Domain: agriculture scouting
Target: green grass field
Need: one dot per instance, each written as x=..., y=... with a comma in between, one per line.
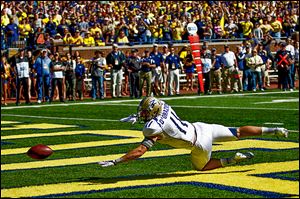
x=82, y=134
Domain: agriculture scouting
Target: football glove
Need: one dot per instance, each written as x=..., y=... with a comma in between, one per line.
x=107, y=163
x=131, y=118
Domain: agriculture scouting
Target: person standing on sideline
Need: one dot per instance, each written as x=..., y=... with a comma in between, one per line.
x=291, y=49
x=255, y=64
x=5, y=75
x=57, y=70
x=80, y=75
x=229, y=63
x=216, y=71
x=22, y=72
x=97, y=71
x=42, y=67
x=164, y=69
x=115, y=61
x=247, y=74
x=240, y=56
x=147, y=64
x=157, y=76
x=207, y=65
x=162, y=125
x=134, y=66
x=284, y=59
x=70, y=65
x=173, y=64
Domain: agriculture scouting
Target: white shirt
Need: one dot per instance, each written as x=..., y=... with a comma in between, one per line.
x=23, y=69
x=58, y=74
x=206, y=62
x=228, y=59
x=255, y=63
x=291, y=49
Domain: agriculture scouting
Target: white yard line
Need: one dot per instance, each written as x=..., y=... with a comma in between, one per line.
x=138, y=100
x=279, y=101
x=60, y=118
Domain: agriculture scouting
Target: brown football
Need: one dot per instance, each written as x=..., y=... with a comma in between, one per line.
x=39, y=152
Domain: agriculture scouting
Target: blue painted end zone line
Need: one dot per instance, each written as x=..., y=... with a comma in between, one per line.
x=265, y=194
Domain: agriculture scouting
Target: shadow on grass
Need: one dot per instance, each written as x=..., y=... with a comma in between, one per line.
x=103, y=180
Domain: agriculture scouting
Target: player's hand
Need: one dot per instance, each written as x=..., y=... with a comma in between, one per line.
x=131, y=118
x=107, y=163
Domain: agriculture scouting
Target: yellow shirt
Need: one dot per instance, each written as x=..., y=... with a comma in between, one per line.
x=247, y=27
x=122, y=40
x=266, y=28
x=4, y=20
x=24, y=29
x=276, y=25
x=89, y=41
x=78, y=40
x=94, y=30
x=100, y=42
x=155, y=31
x=68, y=40
x=177, y=32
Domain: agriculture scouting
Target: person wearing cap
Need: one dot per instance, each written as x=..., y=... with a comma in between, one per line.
x=157, y=76
x=42, y=67
x=147, y=64
x=22, y=75
x=229, y=65
x=173, y=64
x=133, y=64
x=284, y=60
x=116, y=60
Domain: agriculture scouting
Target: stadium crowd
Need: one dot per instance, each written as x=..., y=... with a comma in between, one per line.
x=51, y=75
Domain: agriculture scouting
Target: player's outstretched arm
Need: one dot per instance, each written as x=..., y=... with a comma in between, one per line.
x=132, y=155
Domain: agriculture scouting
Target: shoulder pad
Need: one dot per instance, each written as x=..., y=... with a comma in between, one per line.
x=152, y=128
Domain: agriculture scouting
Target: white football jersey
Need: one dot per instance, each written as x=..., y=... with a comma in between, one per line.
x=171, y=129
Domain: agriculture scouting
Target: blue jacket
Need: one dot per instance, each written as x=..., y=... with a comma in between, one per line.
x=173, y=60
x=42, y=66
x=79, y=70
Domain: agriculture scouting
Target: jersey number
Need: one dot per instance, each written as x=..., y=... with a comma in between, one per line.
x=178, y=123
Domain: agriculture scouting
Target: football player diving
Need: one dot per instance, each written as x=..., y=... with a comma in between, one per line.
x=164, y=126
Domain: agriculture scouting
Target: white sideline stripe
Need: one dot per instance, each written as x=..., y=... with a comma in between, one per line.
x=60, y=118
x=279, y=101
x=216, y=107
x=274, y=123
x=138, y=100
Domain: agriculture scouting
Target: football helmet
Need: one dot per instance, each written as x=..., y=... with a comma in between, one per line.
x=149, y=108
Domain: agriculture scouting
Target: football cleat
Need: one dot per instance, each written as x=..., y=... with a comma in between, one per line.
x=281, y=132
x=239, y=157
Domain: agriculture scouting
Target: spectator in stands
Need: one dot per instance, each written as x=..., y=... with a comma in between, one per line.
x=147, y=64
x=247, y=26
x=122, y=38
x=173, y=64
x=97, y=73
x=88, y=40
x=70, y=79
x=50, y=27
x=57, y=69
x=133, y=64
x=5, y=75
x=22, y=71
x=216, y=70
x=24, y=28
x=99, y=40
x=62, y=27
x=42, y=68
x=80, y=75
x=12, y=33
x=296, y=43
x=115, y=61
x=77, y=39
x=277, y=27
x=257, y=32
x=167, y=31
